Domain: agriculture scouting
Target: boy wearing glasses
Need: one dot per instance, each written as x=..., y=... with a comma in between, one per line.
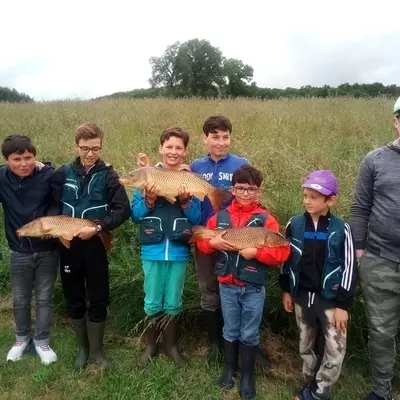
x=242, y=300
x=88, y=188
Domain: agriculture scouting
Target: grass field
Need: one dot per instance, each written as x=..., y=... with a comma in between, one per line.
x=285, y=139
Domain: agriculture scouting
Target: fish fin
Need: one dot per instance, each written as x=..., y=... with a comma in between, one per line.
x=107, y=238
x=200, y=232
x=199, y=195
x=65, y=242
x=67, y=236
x=217, y=197
x=171, y=199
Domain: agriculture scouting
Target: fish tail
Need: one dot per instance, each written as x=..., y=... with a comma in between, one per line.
x=107, y=238
x=200, y=232
x=218, y=197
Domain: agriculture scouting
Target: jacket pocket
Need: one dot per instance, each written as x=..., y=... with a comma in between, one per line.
x=222, y=263
x=151, y=230
x=331, y=282
x=181, y=230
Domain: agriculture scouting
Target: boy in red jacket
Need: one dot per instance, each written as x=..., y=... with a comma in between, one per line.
x=242, y=300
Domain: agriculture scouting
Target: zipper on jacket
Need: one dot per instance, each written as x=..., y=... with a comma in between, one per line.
x=166, y=249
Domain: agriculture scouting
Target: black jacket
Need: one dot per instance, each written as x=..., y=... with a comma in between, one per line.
x=23, y=200
x=117, y=198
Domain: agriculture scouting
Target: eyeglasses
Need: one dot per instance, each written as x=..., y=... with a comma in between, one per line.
x=241, y=190
x=85, y=149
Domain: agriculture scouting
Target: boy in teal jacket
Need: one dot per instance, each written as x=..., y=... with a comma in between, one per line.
x=165, y=253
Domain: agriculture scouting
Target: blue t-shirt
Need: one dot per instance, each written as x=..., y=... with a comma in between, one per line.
x=219, y=174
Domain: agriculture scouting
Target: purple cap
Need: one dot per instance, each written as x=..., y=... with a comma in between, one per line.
x=322, y=181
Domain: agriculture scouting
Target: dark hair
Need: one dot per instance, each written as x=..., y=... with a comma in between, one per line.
x=247, y=174
x=17, y=144
x=177, y=132
x=88, y=131
x=217, y=122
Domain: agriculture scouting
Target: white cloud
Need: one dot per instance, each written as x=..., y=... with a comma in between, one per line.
x=90, y=48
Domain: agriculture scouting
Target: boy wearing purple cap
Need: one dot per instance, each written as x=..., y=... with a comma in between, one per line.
x=318, y=281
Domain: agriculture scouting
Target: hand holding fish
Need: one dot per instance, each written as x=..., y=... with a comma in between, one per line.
x=143, y=160
x=184, y=167
x=219, y=243
x=183, y=194
x=151, y=193
x=86, y=233
x=249, y=253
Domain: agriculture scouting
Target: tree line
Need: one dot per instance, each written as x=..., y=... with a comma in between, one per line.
x=197, y=69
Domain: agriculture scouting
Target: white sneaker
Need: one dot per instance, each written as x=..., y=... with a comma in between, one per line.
x=17, y=350
x=46, y=354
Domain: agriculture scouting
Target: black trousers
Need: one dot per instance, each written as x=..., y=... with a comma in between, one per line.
x=84, y=271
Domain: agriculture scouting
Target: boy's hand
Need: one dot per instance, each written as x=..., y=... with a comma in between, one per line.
x=249, y=253
x=359, y=253
x=287, y=302
x=86, y=233
x=143, y=160
x=39, y=165
x=185, y=167
x=183, y=194
x=219, y=243
x=151, y=193
x=339, y=320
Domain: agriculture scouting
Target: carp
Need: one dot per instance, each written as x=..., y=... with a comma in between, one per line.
x=168, y=181
x=62, y=227
x=242, y=238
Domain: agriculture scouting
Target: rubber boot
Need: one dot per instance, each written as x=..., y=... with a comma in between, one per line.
x=151, y=349
x=231, y=365
x=214, y=322
x=170, y=342
x=96, y=337
x=82, y=340
x=247, y=388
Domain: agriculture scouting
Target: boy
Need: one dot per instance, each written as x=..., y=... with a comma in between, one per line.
x=320, y=279
x=242, y=292
x=217, y=168
x=88, y=188
x=25, y=193
x=165, y=252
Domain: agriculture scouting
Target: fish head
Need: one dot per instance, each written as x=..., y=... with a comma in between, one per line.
x=274, y=239
x=135, y=178
x=33, y=229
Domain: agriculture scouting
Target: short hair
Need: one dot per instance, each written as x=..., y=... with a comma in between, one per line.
x=217, y=122
x=175, y=131
x=18, y=144
x=88, y=131
x=247, y=174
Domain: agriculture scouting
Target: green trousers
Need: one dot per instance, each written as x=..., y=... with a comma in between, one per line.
x=163, y=286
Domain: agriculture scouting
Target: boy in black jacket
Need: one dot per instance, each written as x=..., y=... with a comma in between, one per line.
x=88, y=188
x=25, y=193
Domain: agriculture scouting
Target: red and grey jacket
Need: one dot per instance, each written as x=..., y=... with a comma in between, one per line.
x=240, y=215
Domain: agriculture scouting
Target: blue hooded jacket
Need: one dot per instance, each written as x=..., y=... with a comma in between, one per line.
x=219, y=174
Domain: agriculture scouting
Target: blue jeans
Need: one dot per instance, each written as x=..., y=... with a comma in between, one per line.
x=242, y=309
x=28, y=271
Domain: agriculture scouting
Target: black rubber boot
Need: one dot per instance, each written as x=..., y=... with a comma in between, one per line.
x=152, y=333
x=263, y=360
x=214, y=322
x=231, y=365
x=96, y=337
x=81, y=335
x=170, y=342
x=247, y=388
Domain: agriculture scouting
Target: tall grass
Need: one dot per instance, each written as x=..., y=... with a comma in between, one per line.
x=284, y=138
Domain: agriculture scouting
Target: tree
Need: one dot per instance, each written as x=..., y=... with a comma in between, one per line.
x=238, y=77
x=199, y=67
x=164, y=69
x=12, y=96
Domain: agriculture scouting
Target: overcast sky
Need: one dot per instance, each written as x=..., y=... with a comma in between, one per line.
x=80, y=48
